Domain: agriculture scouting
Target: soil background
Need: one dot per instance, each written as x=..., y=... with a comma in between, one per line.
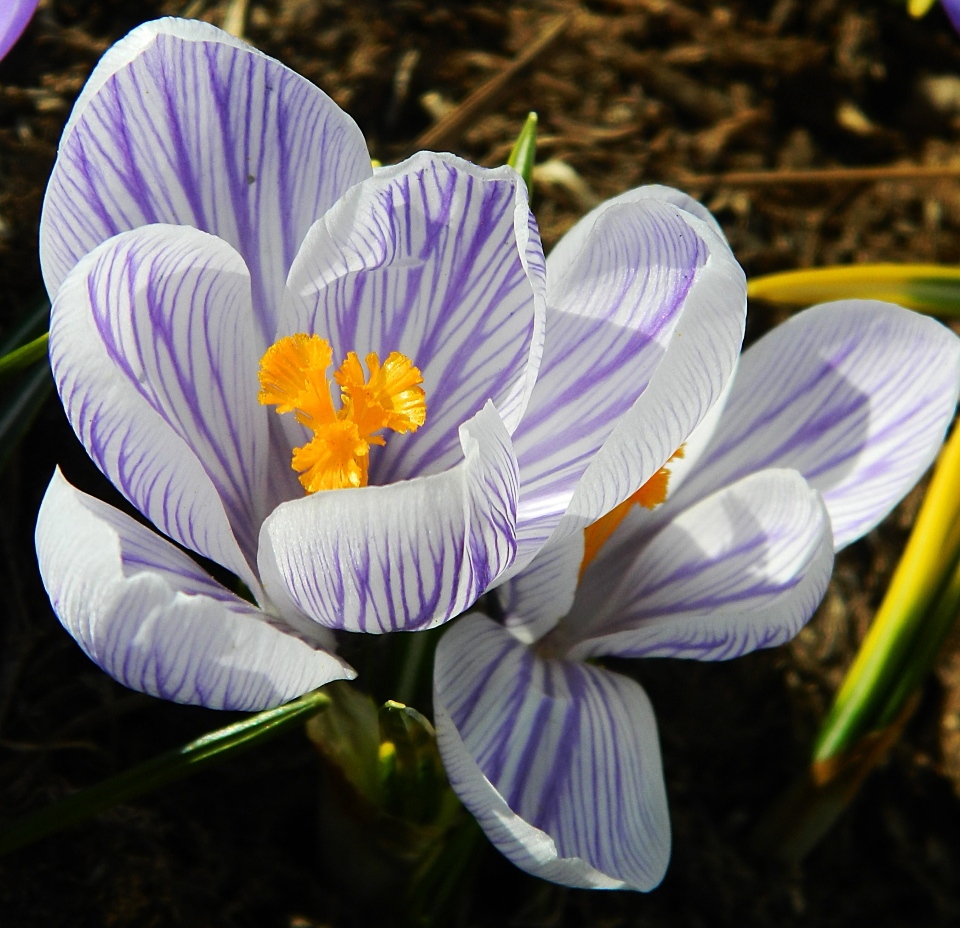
x=635, y=91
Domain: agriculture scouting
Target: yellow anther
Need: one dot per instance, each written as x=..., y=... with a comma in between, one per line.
x=649, y=496
x=293, y=378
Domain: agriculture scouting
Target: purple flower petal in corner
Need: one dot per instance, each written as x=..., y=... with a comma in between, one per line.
x=952, y=9
x=14, y=16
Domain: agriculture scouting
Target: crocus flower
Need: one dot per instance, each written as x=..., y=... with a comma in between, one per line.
x=831, y=418
x=332, y=382
x=14, y=16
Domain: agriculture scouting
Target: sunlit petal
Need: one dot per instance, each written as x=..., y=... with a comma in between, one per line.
x=406, y=556
x=153, y=620
x=559, y=761
x=181, y=123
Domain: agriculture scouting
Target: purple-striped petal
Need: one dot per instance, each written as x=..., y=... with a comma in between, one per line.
x=440, y=260
x=558, y=761
x=952, y=9
x=181, y=123
x=643, y=329
x=740, y=570
x=542, y=593
x=856, y=395
x=402, y=557
x=567, y=249
x=14, y=16
x=147, y=615
x=154, y=353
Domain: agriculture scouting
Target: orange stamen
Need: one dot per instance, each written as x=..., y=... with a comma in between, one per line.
x=649, y=496
x=293, y=378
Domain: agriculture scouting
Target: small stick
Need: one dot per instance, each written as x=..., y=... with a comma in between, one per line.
x=823, y=176
x=446, y=130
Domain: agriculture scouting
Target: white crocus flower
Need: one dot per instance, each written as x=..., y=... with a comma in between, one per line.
x=830, y=420
x=215, y=243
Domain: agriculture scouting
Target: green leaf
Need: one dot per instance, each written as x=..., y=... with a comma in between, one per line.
x=167, y=768
x=916, y=614
x=928, y=288
x=29, y=327
x=24, y=356
x=348, y=736
x=525, y=151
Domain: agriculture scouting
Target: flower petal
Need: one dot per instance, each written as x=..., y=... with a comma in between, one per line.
x=14, y=16
x=643, y=330
x=154, y=354
x=401, y=557
x=567, y=249
x=181, y=123
x=440, y=260
x=543, y=592
x=146, y=614
x=856, y=395
x=558, y=761
x=743, y=569
x=952, y=9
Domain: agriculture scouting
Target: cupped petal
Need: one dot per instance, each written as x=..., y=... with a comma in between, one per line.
x=573, y=241
x=643, y=331
x=558, y=761
x=402, y=557
x=440, y=260
x=154, y=353
x=536, y=598
x=14, y=16
x=856, y=395
x=742, y=569
x=184, y=124
x=152, y=619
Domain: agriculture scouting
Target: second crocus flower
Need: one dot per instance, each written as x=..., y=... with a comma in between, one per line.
x=831, y=419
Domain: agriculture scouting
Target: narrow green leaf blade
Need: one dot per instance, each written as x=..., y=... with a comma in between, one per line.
x=897, y=648
x=29, y=327
x=167, y=768
x=24, y=356
x=524, y=151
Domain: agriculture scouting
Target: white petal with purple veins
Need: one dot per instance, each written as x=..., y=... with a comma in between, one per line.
x=856, y=395
x=534, y=599
x=440, y=260
x=402, y=557
x=643, y=331
x=566, y=250
x=743, y=569
x=154, y=354
x=146, y=614
x=558, y=761
x=184, y=124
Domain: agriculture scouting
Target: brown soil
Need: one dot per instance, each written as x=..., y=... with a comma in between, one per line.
x=635, y=91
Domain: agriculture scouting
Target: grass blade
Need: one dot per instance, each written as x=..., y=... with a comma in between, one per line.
x=167, y=768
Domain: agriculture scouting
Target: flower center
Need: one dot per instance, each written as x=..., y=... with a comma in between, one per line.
x=293, y=378
x=650, y=495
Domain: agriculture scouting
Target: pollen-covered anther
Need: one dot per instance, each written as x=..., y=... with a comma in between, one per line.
x=649, y=496
x=293, y=378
